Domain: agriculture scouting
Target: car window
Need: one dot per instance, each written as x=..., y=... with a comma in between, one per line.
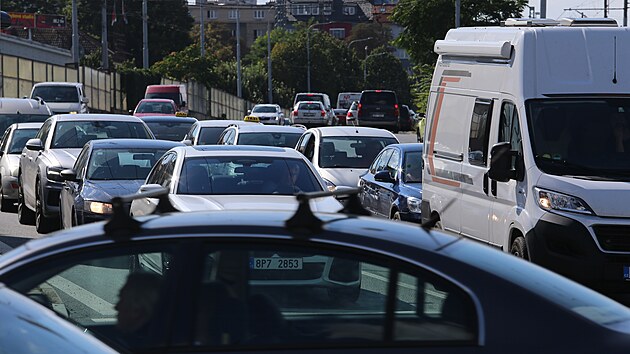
x=393, y=163
x=209, y=135
x=269, y=139
x=174, y=131
x=56, y=93
x=264, y=109
x=310, y=106
x=80, y=163
x=43, y=132
x=163, y=170
x=113, y=292
x=271, y=295
x=412, y=167
x=19, y=139
x=380, y=162
x=379, y=98
x=351, y=151
x=122, y=164
x=74, y=134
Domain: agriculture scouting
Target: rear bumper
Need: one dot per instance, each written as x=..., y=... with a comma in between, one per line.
x=9, y=187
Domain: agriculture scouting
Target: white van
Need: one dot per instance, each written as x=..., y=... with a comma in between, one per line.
x=345, y=99
x=527, y=144
x=61, y=97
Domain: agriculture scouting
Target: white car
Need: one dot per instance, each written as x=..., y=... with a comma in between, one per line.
x=219, y=177
x=62, y=97
x=268, y=113
x=258, y=134
x=341, y=154
x=207, y=132
x=310, y=114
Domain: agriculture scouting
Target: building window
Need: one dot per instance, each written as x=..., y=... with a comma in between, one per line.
x=327, y=9
x=212, y=14
x=349, y=10
x=233, y=14
x=259, y=14
x=302, y=9
x=259, y=33
x=315, y=10
x=338, y=32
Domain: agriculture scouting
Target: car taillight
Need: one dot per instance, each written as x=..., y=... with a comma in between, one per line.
x=323, y=113
x=396, y=111
x=349, y=114
x=295, y=113
x=359, y=110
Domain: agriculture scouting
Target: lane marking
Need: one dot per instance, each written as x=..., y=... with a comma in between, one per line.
x=83, y=296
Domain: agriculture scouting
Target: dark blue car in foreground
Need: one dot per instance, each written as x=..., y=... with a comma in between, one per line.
x=105, y=169
x=392, y=186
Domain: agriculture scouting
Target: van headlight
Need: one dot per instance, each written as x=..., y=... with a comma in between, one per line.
x=98, y=207
x=413, y=204
x=548, y=200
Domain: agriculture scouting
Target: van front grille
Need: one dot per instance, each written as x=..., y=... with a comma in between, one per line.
x=613, y=237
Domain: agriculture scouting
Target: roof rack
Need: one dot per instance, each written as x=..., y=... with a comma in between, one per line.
x=589, y=22
x=529, y=22
x=305, y=222
x=122, y=225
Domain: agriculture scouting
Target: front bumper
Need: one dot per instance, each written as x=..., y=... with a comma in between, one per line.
x=594, y=258
x=411, y=217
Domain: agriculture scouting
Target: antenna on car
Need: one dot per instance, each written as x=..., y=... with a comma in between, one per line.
x=122, y=225
x=305, y=222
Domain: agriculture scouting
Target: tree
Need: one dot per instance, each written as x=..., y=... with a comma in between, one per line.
x=425, y=21
x=381, y=36
x=169, y=25
x=48, y=7
x=187, y=65
x=385, y=71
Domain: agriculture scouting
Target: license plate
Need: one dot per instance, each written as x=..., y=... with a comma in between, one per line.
x=309, y=115
x=275, y=263
x=378, y=115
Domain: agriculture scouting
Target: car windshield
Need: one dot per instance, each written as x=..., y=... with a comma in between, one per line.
x=56, y=93
x=174, y=131
x=156, y=107
x=264, y=109
x=412, y=167
x=19, y=139
x=209, y=135
x=269, y=139
x=7, y=119
x=587, y=138
x=167, y=95
x=310, y=106
x=246, y=175
x=122, y=164
x=74, y=134
x=351, y=151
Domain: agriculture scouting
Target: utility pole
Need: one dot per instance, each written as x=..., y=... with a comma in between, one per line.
x=75, y=33
x=269, y=82
x=202, y=29
x=239, y=92
x=458, y=5
x=145, y=36
x=104, y=56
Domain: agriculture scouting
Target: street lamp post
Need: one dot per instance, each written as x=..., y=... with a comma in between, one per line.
x=365, y=63
x=359, y=40
x=269, y=82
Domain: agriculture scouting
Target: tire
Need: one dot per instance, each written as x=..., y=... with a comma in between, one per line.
x=25, y=215
x=43, y=224
x=396, y=216
x=6, y=205
x=519, y=248
x=438, y=225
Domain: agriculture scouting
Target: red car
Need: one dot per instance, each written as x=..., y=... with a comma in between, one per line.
x=155, y=107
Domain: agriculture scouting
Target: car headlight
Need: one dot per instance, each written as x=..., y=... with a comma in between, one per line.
x=331, y=186
x=54, y=173
x=98, y=207
x=548, y=200
x=413, y=204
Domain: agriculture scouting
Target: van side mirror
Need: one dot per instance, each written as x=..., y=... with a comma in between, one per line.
x=501, y=162
x=34, y=145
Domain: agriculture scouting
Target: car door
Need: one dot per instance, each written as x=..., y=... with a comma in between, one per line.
x=369, y=186
x=119, y=292
x=387, y=192
x=272, y=293
x=71, y=198
x=29, y=161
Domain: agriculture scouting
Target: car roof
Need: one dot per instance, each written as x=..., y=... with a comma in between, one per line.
x=58, y=83
x=157, y=100
x=220, y=123
x=408, y=146
x=267, y=105
x=23, y=105
x=239, y=150
x=350, y=131
x=96, y=117
x=30, y=125
x=133, y=143
x=169, y=119
x=244, y=128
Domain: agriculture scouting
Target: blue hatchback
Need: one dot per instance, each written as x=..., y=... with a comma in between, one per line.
x=392, y=186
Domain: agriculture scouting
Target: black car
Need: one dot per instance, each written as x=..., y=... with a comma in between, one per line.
x=379, y=109
x=193, y=282
x=406, y=118
x=392, y=186
x=105, y=169
x=169, y=127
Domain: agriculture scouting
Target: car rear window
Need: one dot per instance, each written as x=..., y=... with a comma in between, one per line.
x=210, y=135
x=74, y=134
x=379, y=98
x=311, y=106
x=174, y=131
x=311, y=97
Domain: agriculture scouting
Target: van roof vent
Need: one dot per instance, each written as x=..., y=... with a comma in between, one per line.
x=529, y=22
x=589, y=22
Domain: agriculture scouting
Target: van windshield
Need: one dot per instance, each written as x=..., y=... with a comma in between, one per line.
x=309, y=97
x=56, y=93
x=582, y=137
x=168, y=95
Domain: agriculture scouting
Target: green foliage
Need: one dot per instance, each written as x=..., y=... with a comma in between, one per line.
x=188, y=64
x=384, y=71
x=425, y=21
x=421, y=86
x=53, y=7
x=381, y=36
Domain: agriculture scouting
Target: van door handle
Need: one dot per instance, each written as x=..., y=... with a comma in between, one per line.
x=485, y=183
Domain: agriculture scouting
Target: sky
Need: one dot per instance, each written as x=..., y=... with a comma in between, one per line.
x=556, y=8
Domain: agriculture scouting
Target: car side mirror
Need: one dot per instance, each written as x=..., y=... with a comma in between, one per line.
x=384, y=176
x=68, y=175
x=34, y=145
x=501, y=162
x=150, y=187
x=187, y=142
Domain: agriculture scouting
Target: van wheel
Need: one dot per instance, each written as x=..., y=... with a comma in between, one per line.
x=519, y=248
